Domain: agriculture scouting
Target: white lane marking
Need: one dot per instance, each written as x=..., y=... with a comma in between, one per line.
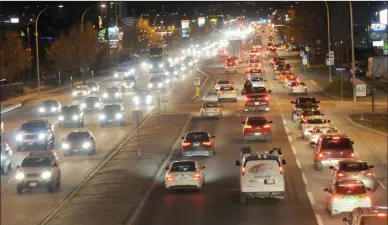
x=289, y=138
x=298, y=164
x=286, y=129
x=284, y=122
x=311, y=198
x=304, y=178
x=293, y=149
x=319, y=219
x=282, y=115
x=381, y=184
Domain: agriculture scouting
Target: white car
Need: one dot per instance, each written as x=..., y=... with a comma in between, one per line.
x=261, y=175
x=312, y=121
x=297, y=88
x=257, y=81
x=345, y=195
x=289, y=80
x=211, y=109
x=317, y=131
x=82, y=91
x=226, y=93
x=185, y=174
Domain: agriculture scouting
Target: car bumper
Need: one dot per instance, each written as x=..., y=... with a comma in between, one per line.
x=227, y=97
x=211, y=114
x=330, y=162
x=77, y=150
x=34, y=183
x=183, y=184
x=111, y=120
x=298, y=91
x=258, y=136
x=197, y=152
x=231, y=69
x=62, y=122
x=263, y=194
x=257, y=107
x=342, y=207
x=31, y=143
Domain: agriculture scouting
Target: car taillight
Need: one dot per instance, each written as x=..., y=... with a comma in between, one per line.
x=366, y=197
x=352, y=155
x=266, y=126
x=368, y=174
x=207, y=143
x=266, y=98
x=320, y=155
x=337, y=197
x=381, y=214
x=341, y=174
x=247, y=127
x=246, y=98
x=196, y=176
x=169, y=177
x=243, y=171
x=185, y=144
x=281, y=170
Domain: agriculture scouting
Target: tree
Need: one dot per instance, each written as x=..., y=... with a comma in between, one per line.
x=14, y=59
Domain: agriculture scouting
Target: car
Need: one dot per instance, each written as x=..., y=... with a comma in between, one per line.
x=330, y=149
x=185, y=174
x=197, y=143
x=256, y=102
x=35, y=133
x=157, y=83
x=308, y=110
x=156, y=65
x=39, y=169
x=81, y=92
x=375, y=215
x=254, y=52
x=72, y=114
x=49, y=108
x=112, y=94
x=230, y=66
x=130, y=82
x=173, y=73
x=94, y=87
x=6, y=158
x=248, y=90
x=273, y=60
x=211, y=109
x=227, y=93
x=123, y=72
x=254, y=70
x=257, y=128
x=254, y=63
x=257, y=81
x=276, y=65
x=222, y=83
x=143, y=97
x=261, y=174
x=301, y=103
x=289, y=80
x=189, y=62
x=345, y=195
x=92, y=103
x=297, y=88
x=80, y=141
x=112, y=113
x=317, y=131
x=354, y=169
x=312, y=121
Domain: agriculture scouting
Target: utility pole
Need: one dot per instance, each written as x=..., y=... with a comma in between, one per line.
x=328, y=37
x=353, y=56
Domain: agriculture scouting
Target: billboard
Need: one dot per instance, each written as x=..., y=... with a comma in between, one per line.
x=377, y=27
x=113, y=36
x=201, y=21
x=185, y=28
x=378, y=43
x=384, y=16
x=14, y=20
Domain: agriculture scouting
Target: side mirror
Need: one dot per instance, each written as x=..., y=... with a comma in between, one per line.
x=166, y=168
x=182, y=138
x=284, y=162
x=18, y=167
x=329, y=121
x=331, y=167
x=213, y=136
x=269, y=91
x=344, y=219
x=326, y=189
x=292, y=102
x=270, y=121
x=55, y=164
x=371, y=166
x=243, y=122
x=238, y=163
x=203, y=167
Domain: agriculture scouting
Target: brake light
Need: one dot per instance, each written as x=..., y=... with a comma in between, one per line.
x=320, y=155
x=196, y=176
x=266, y=98
x=247, y=127
x=281, y=170
x=185, y=144
x=266, y=126
x=352, y=155
x=207, y=143
x=335, y=138
x=246, y=98
x=341, y=174
x=243, y=171
x=381, y=214
x=169, y=177
x=368, y=174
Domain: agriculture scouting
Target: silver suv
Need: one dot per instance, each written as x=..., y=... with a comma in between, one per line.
x=35, y=133
x=6, y=158
x=39, y=169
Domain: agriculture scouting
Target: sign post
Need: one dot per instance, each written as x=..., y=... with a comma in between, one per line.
x=340, y=69
x=164, y=103
x=197, y=83
x=137, y=116
x=305, y=62
x=361, y=92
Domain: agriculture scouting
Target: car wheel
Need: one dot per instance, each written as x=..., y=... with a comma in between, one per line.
x=19, y=189
x=243, y=199
x=318, y=167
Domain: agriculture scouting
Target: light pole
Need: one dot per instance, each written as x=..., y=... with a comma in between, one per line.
x=328, y=37
x=37, y=45
x=118, y=43
x=352, y=46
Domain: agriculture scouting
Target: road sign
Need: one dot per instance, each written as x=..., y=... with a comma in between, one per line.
x=305, y=61
x=164, y=101
x=301, y=53
x=340, y=69
x=330, y=61
x=197, y=91
x=360, y=90
x=331, y=54
x=197, y=81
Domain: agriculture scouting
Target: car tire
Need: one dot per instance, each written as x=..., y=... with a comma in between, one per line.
x=19, y=189
x=243, y=199
x=318, y=167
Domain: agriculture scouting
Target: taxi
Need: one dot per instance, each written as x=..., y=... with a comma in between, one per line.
x=354, y=169
x=345, y=195
x=375, y=215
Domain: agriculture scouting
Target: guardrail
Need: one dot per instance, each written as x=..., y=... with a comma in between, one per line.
x=10, y=108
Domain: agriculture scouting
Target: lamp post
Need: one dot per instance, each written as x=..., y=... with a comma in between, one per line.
x=118, y=43
x=352, y=46
x=328, y=37
x=37, y=45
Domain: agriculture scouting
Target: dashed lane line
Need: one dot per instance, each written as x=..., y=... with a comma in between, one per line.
x=311, y=198
x=304, y=178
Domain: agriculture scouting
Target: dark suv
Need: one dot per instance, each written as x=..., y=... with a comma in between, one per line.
x=300, y=104
x=72, y=114
x=35, y=133
x=112, y=113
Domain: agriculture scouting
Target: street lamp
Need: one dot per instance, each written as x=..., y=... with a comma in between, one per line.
x=352, y=46
x=37, y=44
x=328, y=37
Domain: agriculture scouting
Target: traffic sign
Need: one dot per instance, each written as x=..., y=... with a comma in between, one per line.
x=330, y=61
x=340, y=69
x=331, y=54
x=197, y=81
x=305, y=61
x=360, y=90
x=197, y=91
x=164, y=101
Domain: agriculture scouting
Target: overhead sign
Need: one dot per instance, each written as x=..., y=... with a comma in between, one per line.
x=378, y=27
x=164, y=101
x=197, y=81
x=14, y=20
x=201, y=21
x=378, y=43
x=384, y=16
x=360, y=90
x=340, y=69
x=185, y=28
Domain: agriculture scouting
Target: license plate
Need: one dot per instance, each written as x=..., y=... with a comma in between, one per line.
x=257, y=103
x=32, y=184
x=182, y=177
x=110, y=120
x=258, y=133
x=269, y=181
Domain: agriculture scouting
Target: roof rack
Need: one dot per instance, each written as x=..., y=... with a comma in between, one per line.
x=247, y=151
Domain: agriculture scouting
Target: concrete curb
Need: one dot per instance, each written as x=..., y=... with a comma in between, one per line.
x=364, y=127
x=10, y=108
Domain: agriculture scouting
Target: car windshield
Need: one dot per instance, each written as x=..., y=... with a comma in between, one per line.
x=316, y=121
x=257, y=79
x=351, y=190
x=340, y=143
x=77, y=136
x=143, y=92
x=113, y=89
x=111, y=108
x=223, y=82
x=37, y=162
x=353, y=166
x=197, y=136
x=257, y=121
x=31, y=127
x=155, y=79
x=49, y=103
x=71, y=109
x=311, y=113
x=373, y=220
x=183, y=167
x=210, y=105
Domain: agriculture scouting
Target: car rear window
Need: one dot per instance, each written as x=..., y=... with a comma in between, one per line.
x=373, y=220
x=351, y=190
x=306, y=101
x=226, y=88
x=316, y=121
x=257, y=79
x=197, y=136
x=223, y=82
x=353, y=166
x=341, y=143
x=210, y=105
x=257, y=121
x=183, y=167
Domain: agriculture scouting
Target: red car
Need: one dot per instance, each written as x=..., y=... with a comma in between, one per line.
x=257, y=128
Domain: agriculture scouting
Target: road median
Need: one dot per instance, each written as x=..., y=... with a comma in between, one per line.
x=374, y=122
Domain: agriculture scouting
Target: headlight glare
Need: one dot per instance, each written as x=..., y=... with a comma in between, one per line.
x=41, y=109
x=119, y=115
x=86, y=145
x=102, y=117
x=75, y=117
x=65, y=146
x=19, y=137
x=41, y=136
x=46, y=175
x=19, y=176
x=60, y=118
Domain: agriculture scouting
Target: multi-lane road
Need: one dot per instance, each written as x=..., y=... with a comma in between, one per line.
x=115, y=194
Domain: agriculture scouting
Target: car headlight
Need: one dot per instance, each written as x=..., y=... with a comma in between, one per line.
x=161, y=65
x=166, y=73
x=83, y=105
x=160, y=84
x=94, y=89
x=183, y=68
x=41, y=109
x=167, y=81
x=116, y=75
x=19, y=137
x=175, y=72
x=60, y=118
x=65, y=146
x=150, y=66
x=2, y=157
x=74, y=93
x=97, y=105
x=46, y=175
x=19, y=176
x=41, y=136
x=75, y=117
x=135, y=98
x=148, y=98
x=150, y=85
x=86, y=145
x=105, y=95
x=102, y=116
x=53, y=109
x=131, y=84
x=119, y=115
x=143, y=64
x=117, y=94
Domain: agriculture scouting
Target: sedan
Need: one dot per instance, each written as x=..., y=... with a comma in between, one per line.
x=185, y=174
x=79, y=142
x=49, y=107
x=211, y=109
x=196, y=143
